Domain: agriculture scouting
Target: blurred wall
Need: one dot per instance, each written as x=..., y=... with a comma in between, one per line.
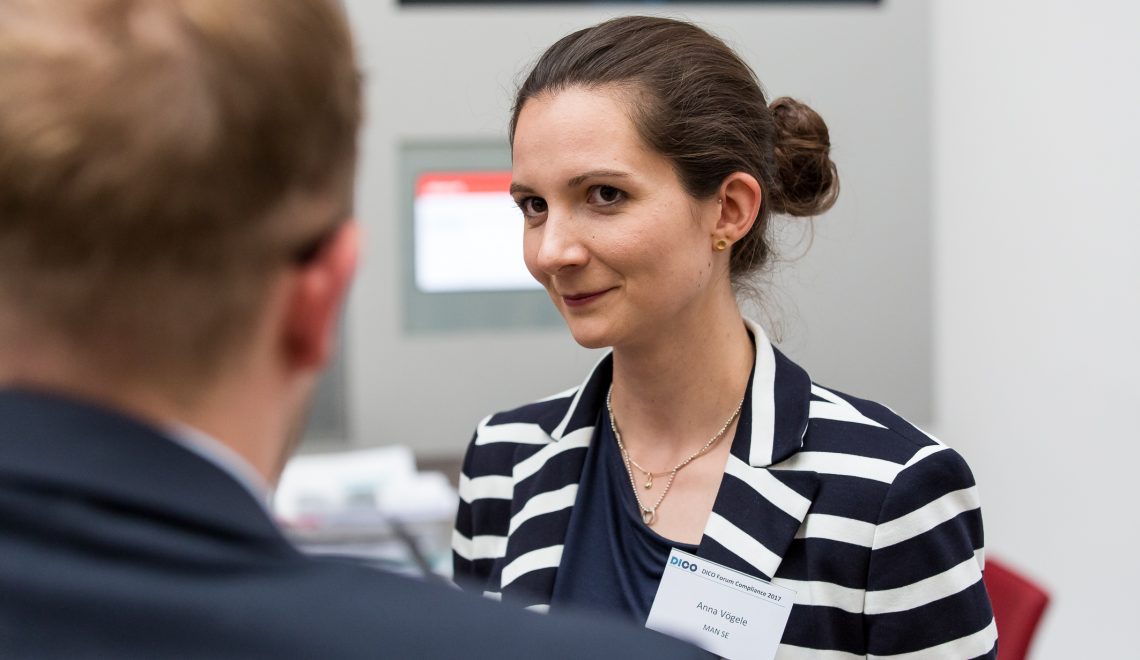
x=1037, y=166
x=856, y=311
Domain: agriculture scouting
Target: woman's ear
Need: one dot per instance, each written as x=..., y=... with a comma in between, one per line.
x=739, y=202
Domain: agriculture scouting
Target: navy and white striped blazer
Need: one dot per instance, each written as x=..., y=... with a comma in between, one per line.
x=873, y=523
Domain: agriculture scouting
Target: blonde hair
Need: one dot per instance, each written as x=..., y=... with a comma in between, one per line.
x=152, y=154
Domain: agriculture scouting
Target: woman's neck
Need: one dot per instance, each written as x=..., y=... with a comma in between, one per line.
x=671, y=394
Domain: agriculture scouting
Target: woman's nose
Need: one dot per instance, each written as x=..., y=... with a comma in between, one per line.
x=560, y=245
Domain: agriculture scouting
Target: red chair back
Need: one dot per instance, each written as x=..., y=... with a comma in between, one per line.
x=1018, y=605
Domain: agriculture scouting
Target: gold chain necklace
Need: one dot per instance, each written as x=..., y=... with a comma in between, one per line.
x=649, y=514
x=648, y=475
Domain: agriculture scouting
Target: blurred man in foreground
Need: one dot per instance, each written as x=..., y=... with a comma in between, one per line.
x=175, y=246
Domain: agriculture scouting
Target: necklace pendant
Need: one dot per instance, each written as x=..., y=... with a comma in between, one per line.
x=649, y=481
x=649, y=516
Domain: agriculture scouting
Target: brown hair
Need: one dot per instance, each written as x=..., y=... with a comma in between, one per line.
x=696, y=102
x=155, y=156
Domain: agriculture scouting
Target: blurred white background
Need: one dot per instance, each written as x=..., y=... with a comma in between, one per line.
x=1037, y=223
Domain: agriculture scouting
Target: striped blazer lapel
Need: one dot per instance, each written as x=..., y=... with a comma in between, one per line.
x=758, y=511
x=545, y=487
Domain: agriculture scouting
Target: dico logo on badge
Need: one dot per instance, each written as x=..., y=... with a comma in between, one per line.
x=683, y=563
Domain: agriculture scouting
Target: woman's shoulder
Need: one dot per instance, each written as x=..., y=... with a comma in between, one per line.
x=896, y=481
x=556, y=415
x=538, y=422
x=905, y=508
x=538, y=416
x=537, y=411
x=857, y=437
x=508, y=437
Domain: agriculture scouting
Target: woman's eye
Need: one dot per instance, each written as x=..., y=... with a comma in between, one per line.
x=605, y=195
x=532, y=206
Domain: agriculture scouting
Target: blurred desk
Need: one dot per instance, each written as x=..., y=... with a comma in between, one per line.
x=416, y=549
x=372, y=504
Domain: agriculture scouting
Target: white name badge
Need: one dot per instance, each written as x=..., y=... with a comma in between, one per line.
x=721, y=610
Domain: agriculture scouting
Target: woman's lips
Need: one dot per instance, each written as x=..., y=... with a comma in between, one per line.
x=583, y=299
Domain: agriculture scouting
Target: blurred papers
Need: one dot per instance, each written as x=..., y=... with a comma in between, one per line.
x=369, y=503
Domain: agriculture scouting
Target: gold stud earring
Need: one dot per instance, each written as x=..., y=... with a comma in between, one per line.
x=720, y=245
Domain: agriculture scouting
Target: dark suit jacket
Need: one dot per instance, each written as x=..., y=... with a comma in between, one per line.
x=117, y=542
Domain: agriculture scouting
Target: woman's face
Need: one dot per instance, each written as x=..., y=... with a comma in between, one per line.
x=624, y=252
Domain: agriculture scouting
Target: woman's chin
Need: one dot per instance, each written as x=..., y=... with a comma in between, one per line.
x=589, y=343
x=590, y=337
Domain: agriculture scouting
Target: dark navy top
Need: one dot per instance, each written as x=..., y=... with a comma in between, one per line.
x=613, y=561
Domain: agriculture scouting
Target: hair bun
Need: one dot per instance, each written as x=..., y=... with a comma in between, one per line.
x=809, y=181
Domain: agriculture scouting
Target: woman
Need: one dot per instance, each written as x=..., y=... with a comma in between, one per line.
x=646, y=163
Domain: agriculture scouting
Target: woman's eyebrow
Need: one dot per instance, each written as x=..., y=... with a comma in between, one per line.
x=576, y=181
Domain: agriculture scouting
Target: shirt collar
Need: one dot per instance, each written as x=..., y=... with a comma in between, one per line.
x=223, y=457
